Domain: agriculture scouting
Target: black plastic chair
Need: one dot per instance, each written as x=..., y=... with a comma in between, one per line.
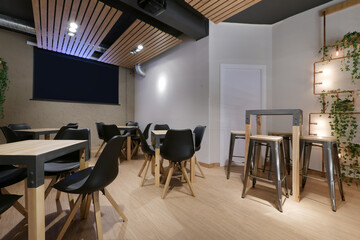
x=146, y=131
x=161, y=127
x=178, y=147
x=149, y=153
x=65, y=165
x=88, y=182
x=19, y=126
x=73, y=125
x=99, y=129
x=199, y=134
x=109, y=131
x=60, y=133
x=10, y=135
x=10, y=175
x=6, y=201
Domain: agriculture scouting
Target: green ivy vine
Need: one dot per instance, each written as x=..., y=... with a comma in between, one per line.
x=4, y=84
x=344, y=126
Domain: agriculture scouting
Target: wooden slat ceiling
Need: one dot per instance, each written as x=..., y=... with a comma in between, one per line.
x=95, y=19
x=220, y=10
x=154, y=41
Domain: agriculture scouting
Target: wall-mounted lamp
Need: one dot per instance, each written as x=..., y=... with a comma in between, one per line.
x=319, y=83
x=138, y=49
x=318, y=72
x=72, y=29
x=337, y=51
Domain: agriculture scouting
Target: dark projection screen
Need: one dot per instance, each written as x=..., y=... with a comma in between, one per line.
x=60, y=77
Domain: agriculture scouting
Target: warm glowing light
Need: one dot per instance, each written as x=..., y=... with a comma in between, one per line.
x=161, y=84
x=337, y=51
x=339, y=155
x=73, y=30
x=73, y=25
x=326, y=71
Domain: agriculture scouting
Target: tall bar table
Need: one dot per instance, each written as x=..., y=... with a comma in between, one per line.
x=296, y=133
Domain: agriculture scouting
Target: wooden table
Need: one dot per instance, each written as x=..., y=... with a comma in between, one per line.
x=36, y=132
x=128, y=139
x=33, y=154
x=160, y=134
x=296, y=133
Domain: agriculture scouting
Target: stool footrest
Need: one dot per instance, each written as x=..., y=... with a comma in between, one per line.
x=264, y=179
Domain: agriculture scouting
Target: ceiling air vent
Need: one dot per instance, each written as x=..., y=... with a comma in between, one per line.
x=155, y=7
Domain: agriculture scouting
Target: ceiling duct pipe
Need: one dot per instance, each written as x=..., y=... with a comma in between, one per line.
x=23, y=27
x=139, y=70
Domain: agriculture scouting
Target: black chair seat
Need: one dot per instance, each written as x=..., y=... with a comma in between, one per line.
x=10, y=175
x=75, y=182
x=56, y=168
x=6, y=201
x=135, y=138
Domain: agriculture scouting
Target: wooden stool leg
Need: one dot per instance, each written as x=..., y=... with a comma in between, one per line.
x=97, y=214
x=168, y=180
x=276, y=166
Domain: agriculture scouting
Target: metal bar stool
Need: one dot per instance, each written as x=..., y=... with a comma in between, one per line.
x=233, y=136
x=287, y=145
x=275, y=144
x=330, y=150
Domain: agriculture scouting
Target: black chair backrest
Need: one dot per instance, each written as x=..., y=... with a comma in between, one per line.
x=144, y=145
x=10, y=135
x=109, y=131
x=99, y=129
x=76, y=134
x=161, y=127
x=73, y=125
x=132, y=132
x=199, y=134
x=60, y=133
x=18, y=126
x=106, y=167
x=178, y=145
x=6, y=201
x=146, y=131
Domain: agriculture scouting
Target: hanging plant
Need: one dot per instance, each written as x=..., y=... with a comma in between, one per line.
x=344, y=126
x=4, y=84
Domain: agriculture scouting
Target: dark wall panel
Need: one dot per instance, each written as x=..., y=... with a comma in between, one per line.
x=61, y=77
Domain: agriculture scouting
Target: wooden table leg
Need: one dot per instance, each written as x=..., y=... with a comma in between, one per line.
x=192, y=169
x=258, y=132
x=128, y=148
x=36, y=213
x=47, y=136
x=296, y=163
x=157, y=167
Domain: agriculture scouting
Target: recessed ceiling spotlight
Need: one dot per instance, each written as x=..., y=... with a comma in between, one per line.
x=71, y=34
x=73, y=30
x=73, y=25
x=138, y=49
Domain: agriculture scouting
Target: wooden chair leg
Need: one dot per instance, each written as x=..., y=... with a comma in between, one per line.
x=117, y=208
x=187, y=178
x=168, y=180
x=87, y=206
x=198, y=164
x=58, y=195
x=146, y=170
x=16, y=205
x=97, y=153
x=70, y=217
x=142, y=167
x=97, y=214
x=49, y=187
x=71, y=201
x=166, y=174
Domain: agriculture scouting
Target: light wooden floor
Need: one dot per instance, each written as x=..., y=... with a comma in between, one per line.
x=218, y=211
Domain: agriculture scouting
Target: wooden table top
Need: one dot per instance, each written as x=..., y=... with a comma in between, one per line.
x=35, y=147
x=159, y=132
x=127, y=127
x=38, y=130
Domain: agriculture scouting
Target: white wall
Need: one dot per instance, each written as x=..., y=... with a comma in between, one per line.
x=19, y=108
x=175, y=90
x=295, y=45
x=232, y=43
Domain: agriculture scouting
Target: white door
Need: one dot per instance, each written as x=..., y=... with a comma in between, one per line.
x=242, y=87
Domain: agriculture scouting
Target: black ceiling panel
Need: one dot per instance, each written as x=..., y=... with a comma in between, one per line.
x=19, y=9
x=273, y=11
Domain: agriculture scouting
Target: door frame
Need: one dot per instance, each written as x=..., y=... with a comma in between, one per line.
x=263, y=94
